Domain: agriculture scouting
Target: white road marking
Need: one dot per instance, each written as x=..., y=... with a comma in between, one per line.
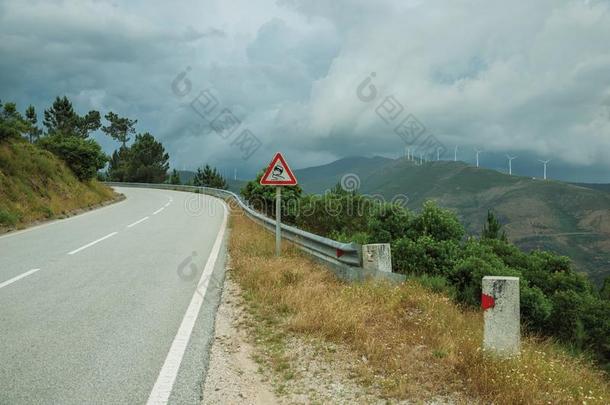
x=19, y=277
x=92, y=243
x=167, y=205
x=158, y=211
x=137, y=222
x=167, y=376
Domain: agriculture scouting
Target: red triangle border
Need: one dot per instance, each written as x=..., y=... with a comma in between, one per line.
x=291, y=182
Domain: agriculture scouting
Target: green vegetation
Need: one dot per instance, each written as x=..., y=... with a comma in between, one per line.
x=555, y=300
x=145, y=161
x=209, y=177
x=406, y=340
x=83, y=156
x=36, y=185
x=547, y=215
x=174, y=178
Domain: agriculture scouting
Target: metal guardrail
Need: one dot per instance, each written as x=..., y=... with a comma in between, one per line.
x=329, y=250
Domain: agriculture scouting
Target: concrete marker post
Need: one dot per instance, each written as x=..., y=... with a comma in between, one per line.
x=377, y=257
x=500, y=301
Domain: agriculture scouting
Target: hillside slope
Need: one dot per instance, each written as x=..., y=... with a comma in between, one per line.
x=36, y=185
x=562, y=217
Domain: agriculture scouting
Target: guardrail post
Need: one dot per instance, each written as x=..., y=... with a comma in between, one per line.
x=500, y=301
x=377, y=256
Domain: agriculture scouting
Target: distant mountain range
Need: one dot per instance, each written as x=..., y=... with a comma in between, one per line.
x=570, y=219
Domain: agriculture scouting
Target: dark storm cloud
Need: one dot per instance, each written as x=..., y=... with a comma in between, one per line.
x=517, y=78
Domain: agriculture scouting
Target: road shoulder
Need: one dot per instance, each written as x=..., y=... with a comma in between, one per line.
x=233, y=376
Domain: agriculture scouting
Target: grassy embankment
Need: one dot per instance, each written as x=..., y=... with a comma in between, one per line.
x=419, y=344
x=35, y=185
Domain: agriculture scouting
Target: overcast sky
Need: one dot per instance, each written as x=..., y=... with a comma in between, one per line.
x=526, y=78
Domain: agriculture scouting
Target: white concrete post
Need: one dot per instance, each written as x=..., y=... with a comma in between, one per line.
x=500, y=301
x=377, y=257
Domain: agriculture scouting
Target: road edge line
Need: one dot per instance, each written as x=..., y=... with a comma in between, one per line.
x=167, y=376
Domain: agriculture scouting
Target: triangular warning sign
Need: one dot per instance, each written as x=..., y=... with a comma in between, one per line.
x=278, y=173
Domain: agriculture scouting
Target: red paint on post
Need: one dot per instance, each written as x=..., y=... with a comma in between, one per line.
x=487, y=301
x=340, y=252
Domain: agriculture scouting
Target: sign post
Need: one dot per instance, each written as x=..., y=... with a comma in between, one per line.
x=278, y=174
x=278, y=220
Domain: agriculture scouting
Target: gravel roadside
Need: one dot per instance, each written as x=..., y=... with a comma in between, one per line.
x=233, y=376
x=321, y=372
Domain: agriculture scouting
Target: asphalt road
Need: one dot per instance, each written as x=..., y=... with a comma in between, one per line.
x=112, y=306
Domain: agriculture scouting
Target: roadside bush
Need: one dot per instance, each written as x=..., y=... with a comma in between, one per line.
x=565, y=320
x=388, y=222
x=83, y=156
x=535, y=308
x=8, y=218
x=468, y=273
x=424, y=256
x=596, y=322
x=361, y=238
x=437, y=284
x=438, y=223
x=337, y=211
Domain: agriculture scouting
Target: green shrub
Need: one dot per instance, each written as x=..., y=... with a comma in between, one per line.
x=83, y=156
x=437, y=284
x=361, y=238
x=565, y=321
x=478, y=261
x=535, y=307
x=438, y=223
x=424, y=256
x=388, y=222
x=8, y=219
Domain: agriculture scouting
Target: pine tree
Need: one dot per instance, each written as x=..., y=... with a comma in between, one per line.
x=34, y=132
x=120, y=128
x=491, y=230
x=209, y=177
x=60, y=118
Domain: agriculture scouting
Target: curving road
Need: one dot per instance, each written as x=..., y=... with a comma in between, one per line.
x=114, y=306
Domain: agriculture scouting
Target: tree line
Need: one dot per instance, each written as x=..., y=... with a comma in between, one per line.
x=432, y=246
x=67, y=135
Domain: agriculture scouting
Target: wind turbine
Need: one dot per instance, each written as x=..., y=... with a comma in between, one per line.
x=510, y=164
x=409, y=154
x=455, y=153
x=478, y=151
x=544, y=162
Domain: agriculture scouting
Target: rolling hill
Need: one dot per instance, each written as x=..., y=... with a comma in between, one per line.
x=566, y=218
x=35, y=185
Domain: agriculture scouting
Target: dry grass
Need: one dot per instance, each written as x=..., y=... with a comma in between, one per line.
x=420, y=343
x=35, y=185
